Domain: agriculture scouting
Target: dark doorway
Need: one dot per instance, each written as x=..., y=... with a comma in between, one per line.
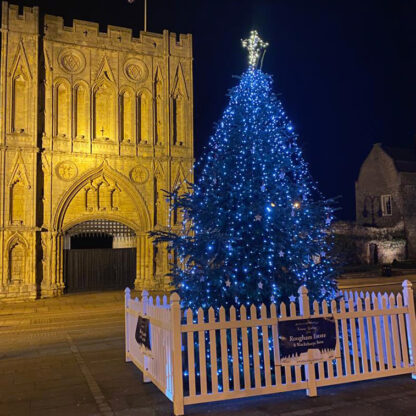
x=90, y=261
x=373, y=254
x=91, y=241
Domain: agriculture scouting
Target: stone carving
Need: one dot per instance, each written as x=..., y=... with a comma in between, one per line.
x=45, y=164
x=102, y=194
x=18, y=185
x=158, y=86
x=16, y=263
x=71, y=61
x=21, y=76
x=139, y=174
x=135, y=70
x=67, y=170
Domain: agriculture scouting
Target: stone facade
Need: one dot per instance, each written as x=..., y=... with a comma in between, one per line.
x=93, y=126
x=386, y=192
x=359, y=244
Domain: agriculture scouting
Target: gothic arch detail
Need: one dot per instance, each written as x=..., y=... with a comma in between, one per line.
x=16, y=259
x=104, y=71
x=179, y=187
x=104, y=103
x=103, y=192
x=104, y=110
x=18, y=185
x=62, y=98
x=158, y=91
x=158, y=193
x=20, y=88
x=126, y=109
x=179, y=83
x=81, y=110
x=179, y=104
x=144, y=117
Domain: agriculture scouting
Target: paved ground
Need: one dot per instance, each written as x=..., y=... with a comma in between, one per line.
x=65, y=357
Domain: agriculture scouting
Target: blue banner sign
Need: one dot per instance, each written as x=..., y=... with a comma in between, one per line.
x=307, y=340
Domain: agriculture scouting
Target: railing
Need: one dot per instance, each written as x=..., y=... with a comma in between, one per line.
x=225, y=354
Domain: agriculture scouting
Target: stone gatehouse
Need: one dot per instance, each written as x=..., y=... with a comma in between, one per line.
x=94, y=127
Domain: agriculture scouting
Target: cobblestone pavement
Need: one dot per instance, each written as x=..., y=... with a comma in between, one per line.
x=65, y=357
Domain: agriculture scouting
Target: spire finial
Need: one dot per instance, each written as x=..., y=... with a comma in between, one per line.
x=255, y=46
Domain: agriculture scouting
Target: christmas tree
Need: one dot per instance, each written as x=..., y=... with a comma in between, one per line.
x=254, y=227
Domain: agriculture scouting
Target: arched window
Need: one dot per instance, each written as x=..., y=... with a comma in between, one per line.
x=17, y=203
x=62, y=110
x=126, y=112
x=16, y=263
x=143, y=117
x=90, y=198
x=104, y=120
x=158, y=109
x=81, y=111
x=20, y=103
x=178, y=121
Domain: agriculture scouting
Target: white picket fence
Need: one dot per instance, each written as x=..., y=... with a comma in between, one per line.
x=227, y=354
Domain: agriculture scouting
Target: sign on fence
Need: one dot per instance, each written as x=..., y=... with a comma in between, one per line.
x=143, y=332
x=305, y=340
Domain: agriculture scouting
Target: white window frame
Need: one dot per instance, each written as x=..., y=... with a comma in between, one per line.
x=385, y=200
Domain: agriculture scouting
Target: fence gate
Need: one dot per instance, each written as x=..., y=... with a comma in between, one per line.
x=207, y=355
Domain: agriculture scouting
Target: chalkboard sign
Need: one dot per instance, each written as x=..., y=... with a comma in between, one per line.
x=143, y=332
x=306, y=340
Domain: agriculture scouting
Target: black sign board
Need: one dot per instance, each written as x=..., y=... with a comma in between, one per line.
x=143, y=332
x=306, y=340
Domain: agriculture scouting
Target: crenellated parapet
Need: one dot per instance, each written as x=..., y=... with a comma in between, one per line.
x=27, y=22
x=119, y=38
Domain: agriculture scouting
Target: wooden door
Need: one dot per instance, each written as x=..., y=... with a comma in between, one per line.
x=99, y=269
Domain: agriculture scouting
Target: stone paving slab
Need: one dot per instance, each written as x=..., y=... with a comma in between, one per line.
x=54, y=363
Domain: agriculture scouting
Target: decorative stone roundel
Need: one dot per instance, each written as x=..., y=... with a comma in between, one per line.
x=67, y=170
x=139, y=174
x=135, y=70
x=71, y=60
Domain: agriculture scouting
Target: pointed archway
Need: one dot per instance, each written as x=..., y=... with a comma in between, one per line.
x=100, y=194
x=99, y=255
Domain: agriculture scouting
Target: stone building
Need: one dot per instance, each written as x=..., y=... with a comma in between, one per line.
x=359, y=244
x=385, y=194
x=94, y=127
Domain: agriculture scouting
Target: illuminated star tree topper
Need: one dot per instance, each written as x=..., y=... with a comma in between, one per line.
x=255, y=46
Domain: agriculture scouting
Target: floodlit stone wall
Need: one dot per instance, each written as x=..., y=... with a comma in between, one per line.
x=93, y=126
x=362, y=244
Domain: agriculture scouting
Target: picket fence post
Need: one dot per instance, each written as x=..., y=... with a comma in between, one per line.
x=145, y=304
x=305, y=311
x=126, y=323
x=175, y=307
x=410, y=322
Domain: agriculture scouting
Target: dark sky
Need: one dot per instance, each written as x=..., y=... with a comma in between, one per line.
x=346, y=69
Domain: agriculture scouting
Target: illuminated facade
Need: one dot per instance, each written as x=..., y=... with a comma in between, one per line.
x=94, y=126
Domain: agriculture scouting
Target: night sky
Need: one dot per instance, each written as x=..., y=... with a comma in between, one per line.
x=345, y=70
